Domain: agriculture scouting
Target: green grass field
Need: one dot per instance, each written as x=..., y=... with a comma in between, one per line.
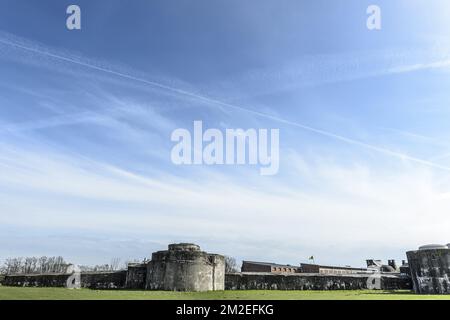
x=16, y=293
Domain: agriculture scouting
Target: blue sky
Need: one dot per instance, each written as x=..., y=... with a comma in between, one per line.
x=86, y=118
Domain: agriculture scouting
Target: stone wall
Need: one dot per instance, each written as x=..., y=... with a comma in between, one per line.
x=430, y=270
x=270, y=281
x=37, y=280
x=136, y=276
x=91, y=280
x=104, y=280
x=235, y=281
x=401, y=282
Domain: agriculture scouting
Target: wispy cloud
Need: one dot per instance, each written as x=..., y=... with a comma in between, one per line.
x=36, y=50
x=70, y=193
x=63, y=190
x=318, y=70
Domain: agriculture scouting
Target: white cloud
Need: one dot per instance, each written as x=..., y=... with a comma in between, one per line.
x=345, y=208
x=349, y=207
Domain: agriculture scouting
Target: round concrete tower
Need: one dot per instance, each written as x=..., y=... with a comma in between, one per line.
x=184, y=267
x=430, y=269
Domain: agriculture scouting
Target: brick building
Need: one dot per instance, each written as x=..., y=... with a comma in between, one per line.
x=315, y=268
x=253, y=266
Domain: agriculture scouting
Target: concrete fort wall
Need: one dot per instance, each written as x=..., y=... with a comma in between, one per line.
x=37, y=280
x=136, y=276
x=91, y=280
x=270, y=281
x=185, y=268
x=104, y=280
x=430, y=270
x=235, y=281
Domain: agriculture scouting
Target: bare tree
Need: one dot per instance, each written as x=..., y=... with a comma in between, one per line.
x=84, y=268
x=231, y=265
x=103, y=267
x=13, y=265
x=31, y=265
x=59, y=265
x=3, y=269
x=114, y=265
x=42, y=261
x=27, y=264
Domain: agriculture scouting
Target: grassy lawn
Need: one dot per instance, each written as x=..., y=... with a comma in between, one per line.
x=15, y=293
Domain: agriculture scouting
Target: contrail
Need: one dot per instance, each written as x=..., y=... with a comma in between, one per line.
x=229, y=105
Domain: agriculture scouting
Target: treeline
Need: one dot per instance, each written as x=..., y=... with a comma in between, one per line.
x=36, y=265
x=30, y=265
x=114, y=265
x=231, y=265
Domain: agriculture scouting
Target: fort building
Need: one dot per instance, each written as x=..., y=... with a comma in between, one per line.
x=430, y=269
x=253, y=266
x=268, y=267
x=184, y=267
x=320, y=269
